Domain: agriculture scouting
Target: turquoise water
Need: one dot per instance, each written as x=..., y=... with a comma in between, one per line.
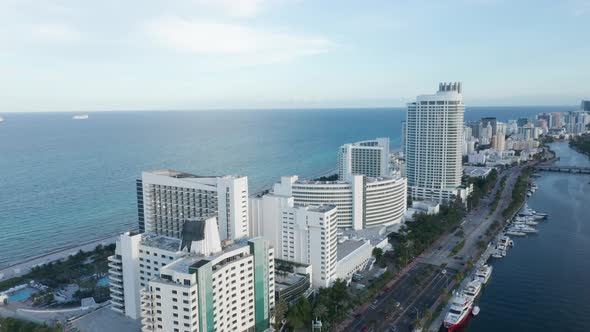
x=542, y=284
x=64, y=182
x=21, y=295
x=103, y=282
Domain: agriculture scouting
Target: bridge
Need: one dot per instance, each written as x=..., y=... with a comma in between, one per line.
x=564, y=169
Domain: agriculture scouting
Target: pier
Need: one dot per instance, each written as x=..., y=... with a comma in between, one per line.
x=564, y=169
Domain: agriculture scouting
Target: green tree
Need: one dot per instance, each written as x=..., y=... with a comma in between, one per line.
x=378, y=254
x=320, y=311
x=280, y=313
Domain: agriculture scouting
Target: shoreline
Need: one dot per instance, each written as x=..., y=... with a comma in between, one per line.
x=23, y=267
x=19, y=268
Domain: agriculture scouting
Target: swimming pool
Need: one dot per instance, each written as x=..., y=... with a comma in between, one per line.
x=103, y=282
x=21, y=295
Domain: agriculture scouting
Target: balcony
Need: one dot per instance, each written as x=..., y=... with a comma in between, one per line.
x=114, y=259
x=117, y=297
x=115, y=265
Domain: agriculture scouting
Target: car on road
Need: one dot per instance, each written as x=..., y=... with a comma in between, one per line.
x=375, y=302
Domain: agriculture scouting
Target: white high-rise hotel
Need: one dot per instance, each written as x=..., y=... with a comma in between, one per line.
x=167, y=198
x=370, y=158
x=434, y=142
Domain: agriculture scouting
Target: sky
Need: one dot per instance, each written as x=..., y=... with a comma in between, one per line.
x=74, y=55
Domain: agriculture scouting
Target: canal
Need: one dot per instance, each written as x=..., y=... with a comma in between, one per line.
x=543, y=284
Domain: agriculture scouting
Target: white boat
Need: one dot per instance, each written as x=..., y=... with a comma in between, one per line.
x=461, y=306
x=522, y=228
x=1, y=119
x=524, y=224
x=529, y=194
x=515, y=233
x=473, y=289
x=484, y=273
x=80, y=117
x=505, y=241
x=497, y=254
x=511, y=243
x=475, y=311
x=526, y=218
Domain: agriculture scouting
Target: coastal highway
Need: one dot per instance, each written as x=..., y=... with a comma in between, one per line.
x=398, y=306
x=383, y=314
x=474, y=227
x=21, y=268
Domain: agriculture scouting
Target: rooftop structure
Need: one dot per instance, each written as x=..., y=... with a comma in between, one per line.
x=477, y=172
x=370, y=158
x=166, y=199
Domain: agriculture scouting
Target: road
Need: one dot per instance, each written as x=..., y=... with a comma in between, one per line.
x=414, y=292
x=474, y=227
x=383, y=314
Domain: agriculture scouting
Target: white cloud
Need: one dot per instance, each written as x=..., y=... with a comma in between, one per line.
x=55, y=32
x=237, y=8
x=208, y=38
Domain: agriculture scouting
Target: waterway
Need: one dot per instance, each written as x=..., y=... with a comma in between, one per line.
x=542, y=284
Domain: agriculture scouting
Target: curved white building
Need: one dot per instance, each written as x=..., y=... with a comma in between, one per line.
x=361, y=202
x=338, y=193
x=385, y=201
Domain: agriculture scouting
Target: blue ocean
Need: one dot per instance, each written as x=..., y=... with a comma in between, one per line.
x=64, y=181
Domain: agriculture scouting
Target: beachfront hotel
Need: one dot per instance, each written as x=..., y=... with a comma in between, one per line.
x=308, y=235
x=370, y=158
x=167, y=198
x=434, y=144
x=195, y=283
x=301, y=234
x=361, y=201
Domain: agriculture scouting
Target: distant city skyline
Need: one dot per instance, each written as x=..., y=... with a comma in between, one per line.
x=244, y=54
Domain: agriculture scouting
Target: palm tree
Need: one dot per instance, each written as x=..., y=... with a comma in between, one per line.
x=320, y=311
x=280, y=312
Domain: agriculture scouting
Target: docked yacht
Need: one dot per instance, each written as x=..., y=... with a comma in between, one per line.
x=525, y=223
x=526, y=218
x=498, y=254
x=461, y=306
x=515, y=233
x=522, y=228
x=484, y=273
x=473, y=288
x=505, y=241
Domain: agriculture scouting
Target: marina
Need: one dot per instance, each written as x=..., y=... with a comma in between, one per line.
x=544, y=276
x=463, y=302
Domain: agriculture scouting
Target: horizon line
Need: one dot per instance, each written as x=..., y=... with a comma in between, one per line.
x=270, y=109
